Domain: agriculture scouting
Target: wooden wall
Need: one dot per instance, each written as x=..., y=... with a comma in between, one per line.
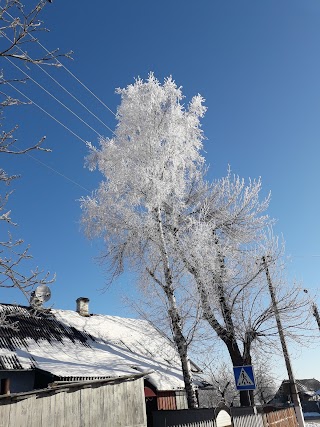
x=172, y=400
x=166, y=400
x=119, y=404
x=181, y=399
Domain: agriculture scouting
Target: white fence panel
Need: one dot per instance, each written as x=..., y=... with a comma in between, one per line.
x=208, y=423
x=248, y=421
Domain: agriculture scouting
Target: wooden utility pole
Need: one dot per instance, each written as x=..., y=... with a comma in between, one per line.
x=315, y=312
x=293, y=385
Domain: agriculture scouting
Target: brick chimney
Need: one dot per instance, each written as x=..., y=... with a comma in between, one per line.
x=83, y=306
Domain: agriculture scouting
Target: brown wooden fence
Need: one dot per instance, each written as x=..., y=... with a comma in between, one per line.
x=282, y=418
x=279, y=418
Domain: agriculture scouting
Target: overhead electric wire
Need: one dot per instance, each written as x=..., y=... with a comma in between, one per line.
x=52, y=96
x=46, y=112
x=75, y=98
x=60, y=85
x=63, y=66
x=57, y=172
x=50, y=115
x=75, y=77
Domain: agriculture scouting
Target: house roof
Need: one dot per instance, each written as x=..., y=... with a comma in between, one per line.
x=69, y=345
x=309, y=387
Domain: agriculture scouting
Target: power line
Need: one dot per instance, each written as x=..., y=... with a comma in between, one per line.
x=57, y=172
x=76, y=99
x=55, y=119
x=50, y=115
x=52, y=96
x=60, y=85
x=46, y=112
x=62, y=65
x=79, y=81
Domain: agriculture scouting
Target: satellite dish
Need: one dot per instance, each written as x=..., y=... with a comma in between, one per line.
x=43, y=293
x=40, y=295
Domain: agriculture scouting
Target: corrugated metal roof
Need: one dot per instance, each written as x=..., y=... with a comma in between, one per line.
x=39, y=326
x=71, y=346
x=10, y=362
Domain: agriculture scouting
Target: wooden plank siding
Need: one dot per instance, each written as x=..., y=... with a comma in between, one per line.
x=166, y=400
x=181, y=399
x=118, y=404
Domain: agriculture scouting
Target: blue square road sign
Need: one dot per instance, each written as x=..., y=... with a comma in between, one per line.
x=244, y=377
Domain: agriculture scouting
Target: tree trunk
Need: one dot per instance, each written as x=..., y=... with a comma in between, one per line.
x=179, y=338
x=226, y=335
x=246, y=399
x=182, y=346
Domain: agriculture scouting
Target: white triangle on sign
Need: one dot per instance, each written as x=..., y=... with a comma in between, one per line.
x=244, y=379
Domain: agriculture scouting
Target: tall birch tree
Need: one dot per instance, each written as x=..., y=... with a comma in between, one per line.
x=149, y=167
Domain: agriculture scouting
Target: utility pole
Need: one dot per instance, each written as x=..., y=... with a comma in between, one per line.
x=315, y=312
x=293, y=385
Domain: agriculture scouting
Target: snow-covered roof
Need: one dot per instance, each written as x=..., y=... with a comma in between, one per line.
x=308, y=386
x=69, y=345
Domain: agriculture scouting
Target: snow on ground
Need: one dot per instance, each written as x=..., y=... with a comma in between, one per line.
x=312, y=423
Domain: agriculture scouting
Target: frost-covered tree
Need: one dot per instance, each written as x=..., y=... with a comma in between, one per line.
x=149, y=167
x=221, y=244
x=157, y=214
x=221, y=388
x=19, y=26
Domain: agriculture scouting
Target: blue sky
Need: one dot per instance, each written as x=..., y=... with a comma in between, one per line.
x=256, y=63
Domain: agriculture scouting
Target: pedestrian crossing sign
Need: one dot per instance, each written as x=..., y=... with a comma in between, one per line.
x=244, y=377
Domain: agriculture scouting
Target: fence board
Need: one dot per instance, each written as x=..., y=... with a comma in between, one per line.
x=253, y=420
x=119, y=404
x=282, y=418
x=46, y=411
x=208, y=423
x=59, y=409
x=5, y=416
